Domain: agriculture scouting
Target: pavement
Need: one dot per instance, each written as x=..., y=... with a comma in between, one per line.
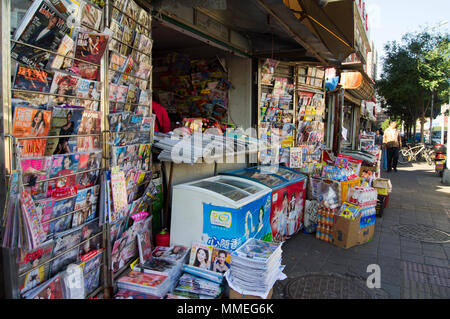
x=410, y=268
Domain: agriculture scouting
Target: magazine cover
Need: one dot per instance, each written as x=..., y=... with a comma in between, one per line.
x=201, y=255
x=41, y=27
x=90, y=47
x=88, y=162
x=116, y=255
x=160, y=266
x=121, y=94
x=30, y=122
x=66, y=50
x=36, y=276
x=91, y=16
x=220, y=261
x=66, y=240
x=117, y=33
x=116, y=121
x=38, y=167
x=295, y=157
x=87, y=235
x=119, y=155
x=28, y=100
x=51, y=289
x=62, y=166
x=46, y=207
x=86, y=200
x=118, y=190
x=91, y=280
x=60, y=208
x=134, y=123
x=90, y=124
x=61, y=262
x=65, y=121
x=92, y=260
x=144, y=245
x=88, y=89
x=32, y=79
x=143, y=279
x=32, y=220
x=257, y=249
x=159, y=251
x=64, y=86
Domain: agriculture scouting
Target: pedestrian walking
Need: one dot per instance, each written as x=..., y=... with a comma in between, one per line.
x=392, y=142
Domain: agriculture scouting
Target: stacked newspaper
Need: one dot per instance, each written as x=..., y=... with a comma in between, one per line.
x=199, y=146
x=255, y=267
x=199, y=286
x=153, y=284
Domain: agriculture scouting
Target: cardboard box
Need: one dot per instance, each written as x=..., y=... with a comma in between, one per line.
x=346, y=232
x=235, y=295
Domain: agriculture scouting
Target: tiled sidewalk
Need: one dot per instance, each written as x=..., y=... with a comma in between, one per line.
x=409, y=268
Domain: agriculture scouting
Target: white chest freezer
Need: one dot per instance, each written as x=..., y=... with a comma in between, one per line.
x=222, y=211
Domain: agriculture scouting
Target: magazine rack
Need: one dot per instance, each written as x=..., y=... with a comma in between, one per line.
x=9, y=155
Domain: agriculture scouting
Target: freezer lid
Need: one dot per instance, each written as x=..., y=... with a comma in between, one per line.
x=241, y=184
x=228, y=191
x=284, y=172
x=264, y=178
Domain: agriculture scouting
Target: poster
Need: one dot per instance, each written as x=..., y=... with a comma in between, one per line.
x=228, y=228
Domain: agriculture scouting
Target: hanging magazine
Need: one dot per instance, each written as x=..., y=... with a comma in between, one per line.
x=30, y=122
x=91, y=16
x=64, y=86
x=36, y=167
x=32, y=220
x=42, y=27
x=66, y=51
x=89, y=91
x=32, y=79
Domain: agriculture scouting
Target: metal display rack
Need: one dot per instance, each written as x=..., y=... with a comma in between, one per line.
x=8, y=155
x=109, y=7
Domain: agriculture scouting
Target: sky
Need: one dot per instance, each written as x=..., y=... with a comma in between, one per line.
x=390, y=19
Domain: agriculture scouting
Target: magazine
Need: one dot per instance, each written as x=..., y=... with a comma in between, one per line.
x=86, y=204
x=118, y=191
x=143, y=282
x=88, y=89
x=46, y=208
x=91, y=163
x=30, y=122
x=91, y=16
x=63, y=86
x=117, y=31
x=60, y=208
x=295, y=157
x=28, y=100
x=87, y=235
x=145, y=246
x=32, y=220
x=65, y=241
x=32, y=259
x=38, y=167
x=32, y=79
x=61, y=262
x=90, y=47
x=41, y=27
x=90, y=124
x=51, y=289
x=220, y=261
x=129, y=294
x=66, y=51
x=117, y=260
x=92, y=259
x=201, y=255
x=65, y=121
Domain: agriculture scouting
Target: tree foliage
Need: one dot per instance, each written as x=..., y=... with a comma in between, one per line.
x=413, y=69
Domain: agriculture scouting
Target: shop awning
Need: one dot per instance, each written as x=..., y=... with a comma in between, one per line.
x=357, y=85
x=333, y=23
x=273, y=29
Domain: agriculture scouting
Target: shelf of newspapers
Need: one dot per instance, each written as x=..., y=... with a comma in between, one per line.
x=53, y=244
x=129, y=190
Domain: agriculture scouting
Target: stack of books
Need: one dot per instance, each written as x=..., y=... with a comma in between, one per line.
x=199, y=286
x=255, y=267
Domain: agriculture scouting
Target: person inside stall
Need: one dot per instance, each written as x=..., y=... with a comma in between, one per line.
x=162, y=123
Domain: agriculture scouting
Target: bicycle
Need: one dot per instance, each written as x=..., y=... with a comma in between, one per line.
x=412, y=153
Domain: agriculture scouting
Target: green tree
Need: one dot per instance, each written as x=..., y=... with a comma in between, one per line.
x=412, y=70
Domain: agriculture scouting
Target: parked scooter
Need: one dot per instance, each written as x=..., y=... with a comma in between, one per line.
x=440, y=158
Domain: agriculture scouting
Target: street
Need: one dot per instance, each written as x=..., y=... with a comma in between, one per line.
x=409, y=268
